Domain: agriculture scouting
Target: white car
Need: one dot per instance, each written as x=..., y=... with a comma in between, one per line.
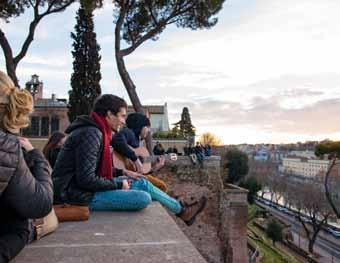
x=306, y=219
x=335, y=233
x=267, y=202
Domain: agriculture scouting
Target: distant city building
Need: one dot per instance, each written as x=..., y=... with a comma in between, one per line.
x=277, y=156
x=304, y=154
x=50, y=114
x=261, y=155
x=158, y=115
x=303, y=166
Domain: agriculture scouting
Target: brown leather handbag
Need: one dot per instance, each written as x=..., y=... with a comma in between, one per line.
x=67, y=212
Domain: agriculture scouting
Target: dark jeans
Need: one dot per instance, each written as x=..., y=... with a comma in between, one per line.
x=200, y=157
x=11, y=244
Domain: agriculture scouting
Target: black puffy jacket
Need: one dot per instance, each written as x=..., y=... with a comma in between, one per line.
x=75, y=172
x=25, y=192
x=122, y=140
x=130, y=135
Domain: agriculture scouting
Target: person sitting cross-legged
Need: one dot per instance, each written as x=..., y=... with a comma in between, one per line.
x=136, y=130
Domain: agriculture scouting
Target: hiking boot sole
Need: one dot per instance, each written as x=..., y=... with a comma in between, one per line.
x=192, y=220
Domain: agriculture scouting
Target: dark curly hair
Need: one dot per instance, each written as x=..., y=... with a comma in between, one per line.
x=108, y=102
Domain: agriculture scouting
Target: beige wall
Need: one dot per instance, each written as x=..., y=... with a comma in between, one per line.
x=50, y=112
x=38, y=143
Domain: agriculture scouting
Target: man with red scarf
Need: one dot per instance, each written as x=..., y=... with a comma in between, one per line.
x=84, y=164
x=83, y=173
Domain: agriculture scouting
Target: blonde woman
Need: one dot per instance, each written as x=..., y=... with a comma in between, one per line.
x=25, y=175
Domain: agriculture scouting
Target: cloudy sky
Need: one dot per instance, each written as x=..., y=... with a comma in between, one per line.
x=269, y=71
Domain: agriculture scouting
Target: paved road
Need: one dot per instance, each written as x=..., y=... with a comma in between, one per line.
x=326, y=245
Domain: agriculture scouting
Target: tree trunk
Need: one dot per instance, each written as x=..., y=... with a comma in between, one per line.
x=128, y=83
x=10, y=63
x=311, y=245
x=11, y=72
x=131, y=89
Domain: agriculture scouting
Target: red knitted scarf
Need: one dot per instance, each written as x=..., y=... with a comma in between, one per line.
x=105, y=168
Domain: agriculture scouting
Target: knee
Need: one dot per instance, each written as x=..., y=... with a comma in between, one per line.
x=144, y=199
x=144, y=184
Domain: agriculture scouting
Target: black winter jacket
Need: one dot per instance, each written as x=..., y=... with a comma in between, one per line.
x=25, y=192
x=75, y=172
x=121, y=141
x=52, y=156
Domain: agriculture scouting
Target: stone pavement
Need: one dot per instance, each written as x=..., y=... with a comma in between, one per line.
x=147, y=236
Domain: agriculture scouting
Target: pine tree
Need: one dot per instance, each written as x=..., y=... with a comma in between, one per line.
x=86, y=65
x=184, y=127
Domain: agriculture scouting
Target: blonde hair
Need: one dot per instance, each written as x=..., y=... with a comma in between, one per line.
x=15, y=105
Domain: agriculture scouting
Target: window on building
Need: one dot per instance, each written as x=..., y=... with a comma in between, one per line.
x=55, y=124
x=45, y=127
x=33, y=129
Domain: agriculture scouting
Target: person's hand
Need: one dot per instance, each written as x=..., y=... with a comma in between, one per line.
x=133, y=175
x=126, y=185
x=161, y=160
x=138, y=166
x=160, y=163
x=25, y=143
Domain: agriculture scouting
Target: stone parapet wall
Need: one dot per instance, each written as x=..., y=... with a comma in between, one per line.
x=220, y=231
x=147, y=236
x=234, y=216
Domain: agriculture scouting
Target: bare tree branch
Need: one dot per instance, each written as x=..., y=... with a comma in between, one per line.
x=140, y=41
x=31, y=3
x=149, y=3
x=50, y=5
x=28, y=40
x=57, y=10
x=5, y=46
x=118, y=27
x=160, y=25
x=36, y=8
x=34, y=23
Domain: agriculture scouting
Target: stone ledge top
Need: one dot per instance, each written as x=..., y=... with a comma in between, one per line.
x=206, y=158
x=150, y=235
x=231, y=188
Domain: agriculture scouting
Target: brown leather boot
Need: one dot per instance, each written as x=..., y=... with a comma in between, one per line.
x=189, y=212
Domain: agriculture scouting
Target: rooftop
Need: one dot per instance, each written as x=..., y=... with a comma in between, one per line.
x=50, y=103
